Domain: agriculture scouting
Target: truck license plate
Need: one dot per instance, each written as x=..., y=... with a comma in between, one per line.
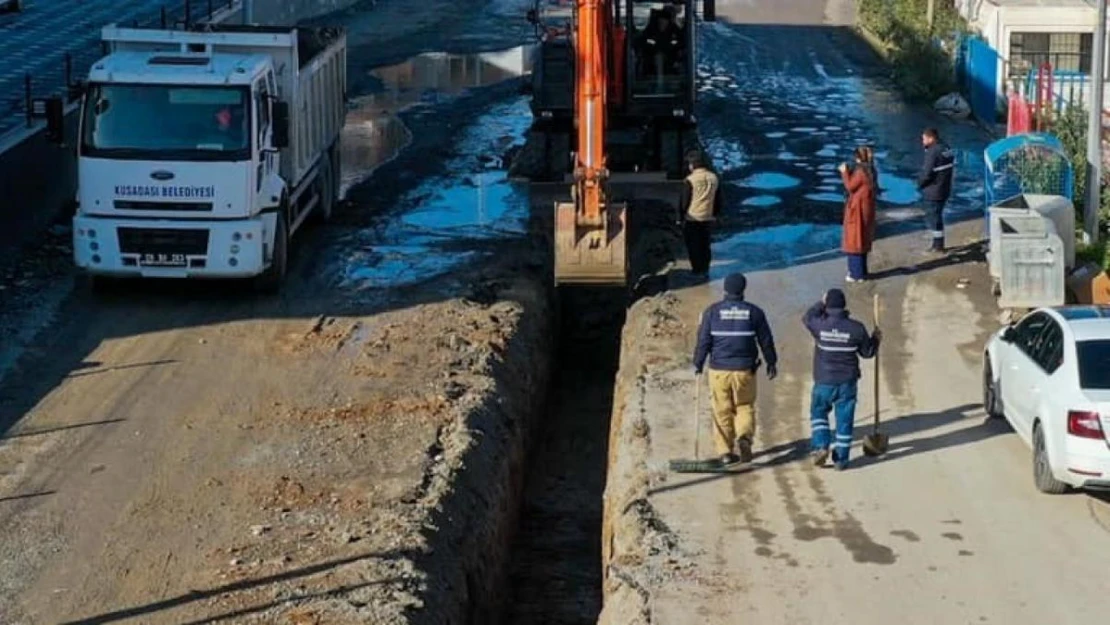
x=162, y=260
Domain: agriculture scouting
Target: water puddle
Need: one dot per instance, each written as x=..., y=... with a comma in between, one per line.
x=448, y=221
x=762, y=200
x=769, y=181
x=777, y=246
x=897, y=190
x=804, y=130
x=835, y=198
x=787, y=156
x=726, y=155
x=774, y=135
x=373, y=134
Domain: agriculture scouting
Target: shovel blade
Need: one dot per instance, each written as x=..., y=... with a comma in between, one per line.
x=875, y=444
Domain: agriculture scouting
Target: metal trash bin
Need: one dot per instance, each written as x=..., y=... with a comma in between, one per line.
x=1057, y=208
x=1031, y=258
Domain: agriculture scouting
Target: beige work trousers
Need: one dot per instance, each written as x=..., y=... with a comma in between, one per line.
x=733, y=394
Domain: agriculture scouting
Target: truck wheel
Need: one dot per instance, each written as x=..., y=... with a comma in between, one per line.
x=270, y=281
x=101, y=285
x=1042, y=471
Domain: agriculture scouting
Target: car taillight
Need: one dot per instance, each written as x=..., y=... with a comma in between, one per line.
x=1084, y=424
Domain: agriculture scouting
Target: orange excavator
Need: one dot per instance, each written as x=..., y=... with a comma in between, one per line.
x=612, y=97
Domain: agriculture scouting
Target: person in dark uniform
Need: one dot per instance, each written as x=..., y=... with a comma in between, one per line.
x=660, y=46
x=935, y=183
x=841, y=342
x=731, y=336
x=698, y=208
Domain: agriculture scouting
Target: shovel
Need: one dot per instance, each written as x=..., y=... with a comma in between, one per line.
x=697, y=465
x=876, y=443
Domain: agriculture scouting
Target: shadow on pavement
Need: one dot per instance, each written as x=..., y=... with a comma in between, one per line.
x=973, y=253
x=902, y=447
x=60, y=429
x=246, y=584
x=27, y=496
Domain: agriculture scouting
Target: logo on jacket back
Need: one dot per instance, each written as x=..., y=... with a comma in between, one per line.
x=735, y=314
x=835, y=336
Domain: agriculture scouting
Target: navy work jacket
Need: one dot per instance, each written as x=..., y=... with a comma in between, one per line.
x=841, y=342
x=732, y=334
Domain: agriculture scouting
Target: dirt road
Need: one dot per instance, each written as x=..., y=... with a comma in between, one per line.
x=948, y=527
x=348, y=452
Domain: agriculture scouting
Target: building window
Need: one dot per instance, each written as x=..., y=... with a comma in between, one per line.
x=1068, y=52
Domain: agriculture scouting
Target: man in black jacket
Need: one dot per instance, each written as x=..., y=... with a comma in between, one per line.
x=732, y=334
x=935, y=183
x=841, y=342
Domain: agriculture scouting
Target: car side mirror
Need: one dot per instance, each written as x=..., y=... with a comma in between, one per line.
x=709, y=10
x=280, y=113
x=1009, y=335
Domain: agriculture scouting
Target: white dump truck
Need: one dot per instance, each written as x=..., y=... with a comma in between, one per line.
x=201, y=152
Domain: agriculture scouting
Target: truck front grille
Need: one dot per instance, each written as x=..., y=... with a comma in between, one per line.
x=194, y=207
x=163, y=241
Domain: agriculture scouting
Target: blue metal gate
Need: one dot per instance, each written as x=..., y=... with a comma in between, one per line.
x=977, y=69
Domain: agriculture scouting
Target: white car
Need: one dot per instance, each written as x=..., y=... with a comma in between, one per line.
x=1049, y=376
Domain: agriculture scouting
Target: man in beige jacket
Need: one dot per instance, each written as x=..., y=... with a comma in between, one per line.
x=699, y=206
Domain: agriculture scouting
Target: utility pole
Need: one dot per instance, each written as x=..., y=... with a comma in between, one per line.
x=929, y=13
x=1094, y=130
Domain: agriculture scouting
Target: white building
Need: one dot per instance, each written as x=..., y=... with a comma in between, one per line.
x=1028, y=33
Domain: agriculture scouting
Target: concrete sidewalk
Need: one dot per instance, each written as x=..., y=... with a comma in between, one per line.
x=947, y=528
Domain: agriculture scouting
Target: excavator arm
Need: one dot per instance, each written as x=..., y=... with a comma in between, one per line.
x=590, y=231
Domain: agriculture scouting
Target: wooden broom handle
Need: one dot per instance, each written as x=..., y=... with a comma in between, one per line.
x=876, y=312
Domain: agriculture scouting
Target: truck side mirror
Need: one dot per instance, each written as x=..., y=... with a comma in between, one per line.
x=55, y=114
x=280, y=113
x=1009, y=334
x=709, y=10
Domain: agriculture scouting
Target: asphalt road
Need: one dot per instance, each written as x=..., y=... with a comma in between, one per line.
x=947, y=528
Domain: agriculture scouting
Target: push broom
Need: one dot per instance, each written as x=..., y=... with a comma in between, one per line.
x=697, y=465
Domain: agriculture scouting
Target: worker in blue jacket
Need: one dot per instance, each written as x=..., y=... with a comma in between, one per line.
x=841, y=342
x=935, y=183
x=732, y=334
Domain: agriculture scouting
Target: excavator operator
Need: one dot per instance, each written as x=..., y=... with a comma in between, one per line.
x=660, y=45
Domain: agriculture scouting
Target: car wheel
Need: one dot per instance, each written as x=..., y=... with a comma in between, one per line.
x=1042, y=471
x=992, y=401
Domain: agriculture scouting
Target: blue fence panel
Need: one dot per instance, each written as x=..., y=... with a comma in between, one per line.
x=977, y=70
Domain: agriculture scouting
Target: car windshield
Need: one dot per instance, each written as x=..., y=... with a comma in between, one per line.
x=161, y=122
x=1094, y=364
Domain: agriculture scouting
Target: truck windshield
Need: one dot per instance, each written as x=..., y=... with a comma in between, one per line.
x=1094, y=364
x=163, y=122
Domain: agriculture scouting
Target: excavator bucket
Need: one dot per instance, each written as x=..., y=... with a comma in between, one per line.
x=591, y=254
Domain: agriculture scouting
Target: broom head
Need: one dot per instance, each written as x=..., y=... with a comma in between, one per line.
x=712, y=465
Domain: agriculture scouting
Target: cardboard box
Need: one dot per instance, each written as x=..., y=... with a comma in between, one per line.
x=1090, y=285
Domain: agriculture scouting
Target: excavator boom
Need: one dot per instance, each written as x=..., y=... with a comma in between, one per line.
x=591, y=233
